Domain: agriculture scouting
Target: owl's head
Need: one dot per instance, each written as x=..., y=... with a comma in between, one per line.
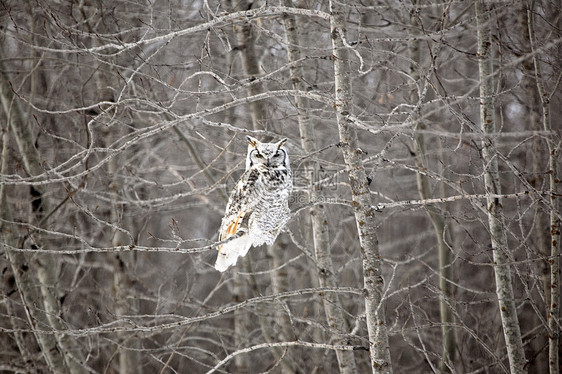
x=272, y=155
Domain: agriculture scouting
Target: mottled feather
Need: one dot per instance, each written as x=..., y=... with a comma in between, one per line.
x=258, y=206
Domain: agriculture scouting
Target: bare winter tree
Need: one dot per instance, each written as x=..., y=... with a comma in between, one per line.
x=425, y=226
x=492, y=184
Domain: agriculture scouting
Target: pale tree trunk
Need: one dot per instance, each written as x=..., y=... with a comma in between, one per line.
x=60, y=351
x=364, y=211
x=501, y=256
x=553, y=309
x=320, y=229
x=441, y=233
x=531, y=100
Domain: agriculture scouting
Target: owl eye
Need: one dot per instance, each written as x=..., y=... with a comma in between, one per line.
x=259, y=155
x=277, y=154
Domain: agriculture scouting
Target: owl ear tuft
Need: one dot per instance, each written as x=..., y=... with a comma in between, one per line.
x=281, y=143
x=252, y=141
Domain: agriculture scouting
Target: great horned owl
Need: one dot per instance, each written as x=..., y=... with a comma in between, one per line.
x=258, y=206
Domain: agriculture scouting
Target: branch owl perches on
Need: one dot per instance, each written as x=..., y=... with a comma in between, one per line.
x=258, y=207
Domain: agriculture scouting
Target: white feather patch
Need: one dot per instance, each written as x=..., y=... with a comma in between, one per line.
x=230, y=251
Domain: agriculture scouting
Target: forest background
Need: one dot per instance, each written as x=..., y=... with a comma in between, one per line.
x=424, y=138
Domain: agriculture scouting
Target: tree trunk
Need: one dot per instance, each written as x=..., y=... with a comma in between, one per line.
x=553, y=309
x=424, y=190
x=538, y=157
x=239, y=289
x=379, y=349
x=129, y=357
x=60, y=351
x=123, y=263
x=250, y=63
x=504, y=288
x=320, y=232
x=445, y=261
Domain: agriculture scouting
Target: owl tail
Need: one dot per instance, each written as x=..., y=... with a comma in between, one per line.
x=230, y=251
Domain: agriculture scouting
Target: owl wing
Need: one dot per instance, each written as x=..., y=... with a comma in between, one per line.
x=240, y=205
x=235, y=221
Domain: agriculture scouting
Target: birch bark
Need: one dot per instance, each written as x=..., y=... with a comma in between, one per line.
x=379, y=349
x=538, y=158
x=320, y=233
x=553, y=309
x=501, y=255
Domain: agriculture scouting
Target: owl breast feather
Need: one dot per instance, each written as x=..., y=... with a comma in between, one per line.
x=271, y=210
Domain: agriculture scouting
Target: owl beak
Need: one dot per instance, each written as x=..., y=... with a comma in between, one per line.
x=267, y=162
